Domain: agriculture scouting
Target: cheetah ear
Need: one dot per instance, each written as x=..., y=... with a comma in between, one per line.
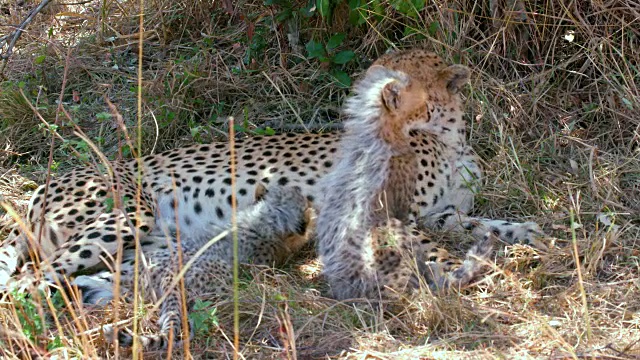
x=392, y=96
x=456, y=76
x=376, y=68
x=260, y=192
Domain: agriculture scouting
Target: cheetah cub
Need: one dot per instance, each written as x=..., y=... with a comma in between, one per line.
x=363, y=241
x=269, y=232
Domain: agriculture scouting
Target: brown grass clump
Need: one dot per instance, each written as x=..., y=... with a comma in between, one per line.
x=553, y=112
x=20, y=129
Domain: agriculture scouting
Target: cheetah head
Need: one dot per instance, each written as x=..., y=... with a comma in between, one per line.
x=385, y=100
x=441, y=82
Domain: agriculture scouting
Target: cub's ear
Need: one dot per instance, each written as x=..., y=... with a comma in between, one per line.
x=392, y=95
x=260, y=192
x=374, y=69
x=455, y=76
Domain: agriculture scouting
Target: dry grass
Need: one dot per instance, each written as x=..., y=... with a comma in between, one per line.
x=553, y=112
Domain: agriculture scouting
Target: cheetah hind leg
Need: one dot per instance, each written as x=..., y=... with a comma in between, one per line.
x=87, y=250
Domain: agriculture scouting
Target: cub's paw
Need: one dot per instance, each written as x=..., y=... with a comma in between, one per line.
x=123, y=336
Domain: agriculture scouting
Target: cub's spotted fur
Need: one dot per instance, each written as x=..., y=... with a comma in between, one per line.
x=84, y=217
x=269, y=232
x=362, y=243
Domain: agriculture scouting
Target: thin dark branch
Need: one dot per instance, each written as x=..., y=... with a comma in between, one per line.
x=15, y=35
x=75, y=3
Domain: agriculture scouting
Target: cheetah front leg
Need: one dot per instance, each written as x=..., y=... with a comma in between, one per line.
x=451, y=215
x=450, y=219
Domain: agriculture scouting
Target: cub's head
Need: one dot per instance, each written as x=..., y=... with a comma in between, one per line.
x=402, y=98
x=440, y=82
x=385, y=98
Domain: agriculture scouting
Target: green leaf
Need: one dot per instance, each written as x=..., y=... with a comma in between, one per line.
x=39, y=59
x=103, y=116
x=315, y=49
x=378, y=10
x=109, y=203
x=323, y=7
x=410, y=8
x=343, y=57
x=354, y=4
x=55, y=343
x=335, y=41
x=269, y=131
x=341, y=77
x=358, y=12
x=202, y=317
x=414, y=33
x=433, y=28
x=126, y=151
x=284, y=15
x=195, y=131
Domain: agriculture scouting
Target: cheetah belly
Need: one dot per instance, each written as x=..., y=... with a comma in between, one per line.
x=204, y=209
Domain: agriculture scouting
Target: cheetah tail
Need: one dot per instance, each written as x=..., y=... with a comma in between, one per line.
x=154, y=342
x=470, y=268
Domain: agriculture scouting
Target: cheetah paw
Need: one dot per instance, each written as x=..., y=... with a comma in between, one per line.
x=95, y=291
x=528, y=233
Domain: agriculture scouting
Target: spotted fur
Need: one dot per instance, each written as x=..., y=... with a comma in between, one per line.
x=91, y=213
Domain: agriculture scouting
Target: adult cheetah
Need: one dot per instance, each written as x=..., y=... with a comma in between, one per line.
x=268, y=233
x=82, y=218
x=362, y=242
